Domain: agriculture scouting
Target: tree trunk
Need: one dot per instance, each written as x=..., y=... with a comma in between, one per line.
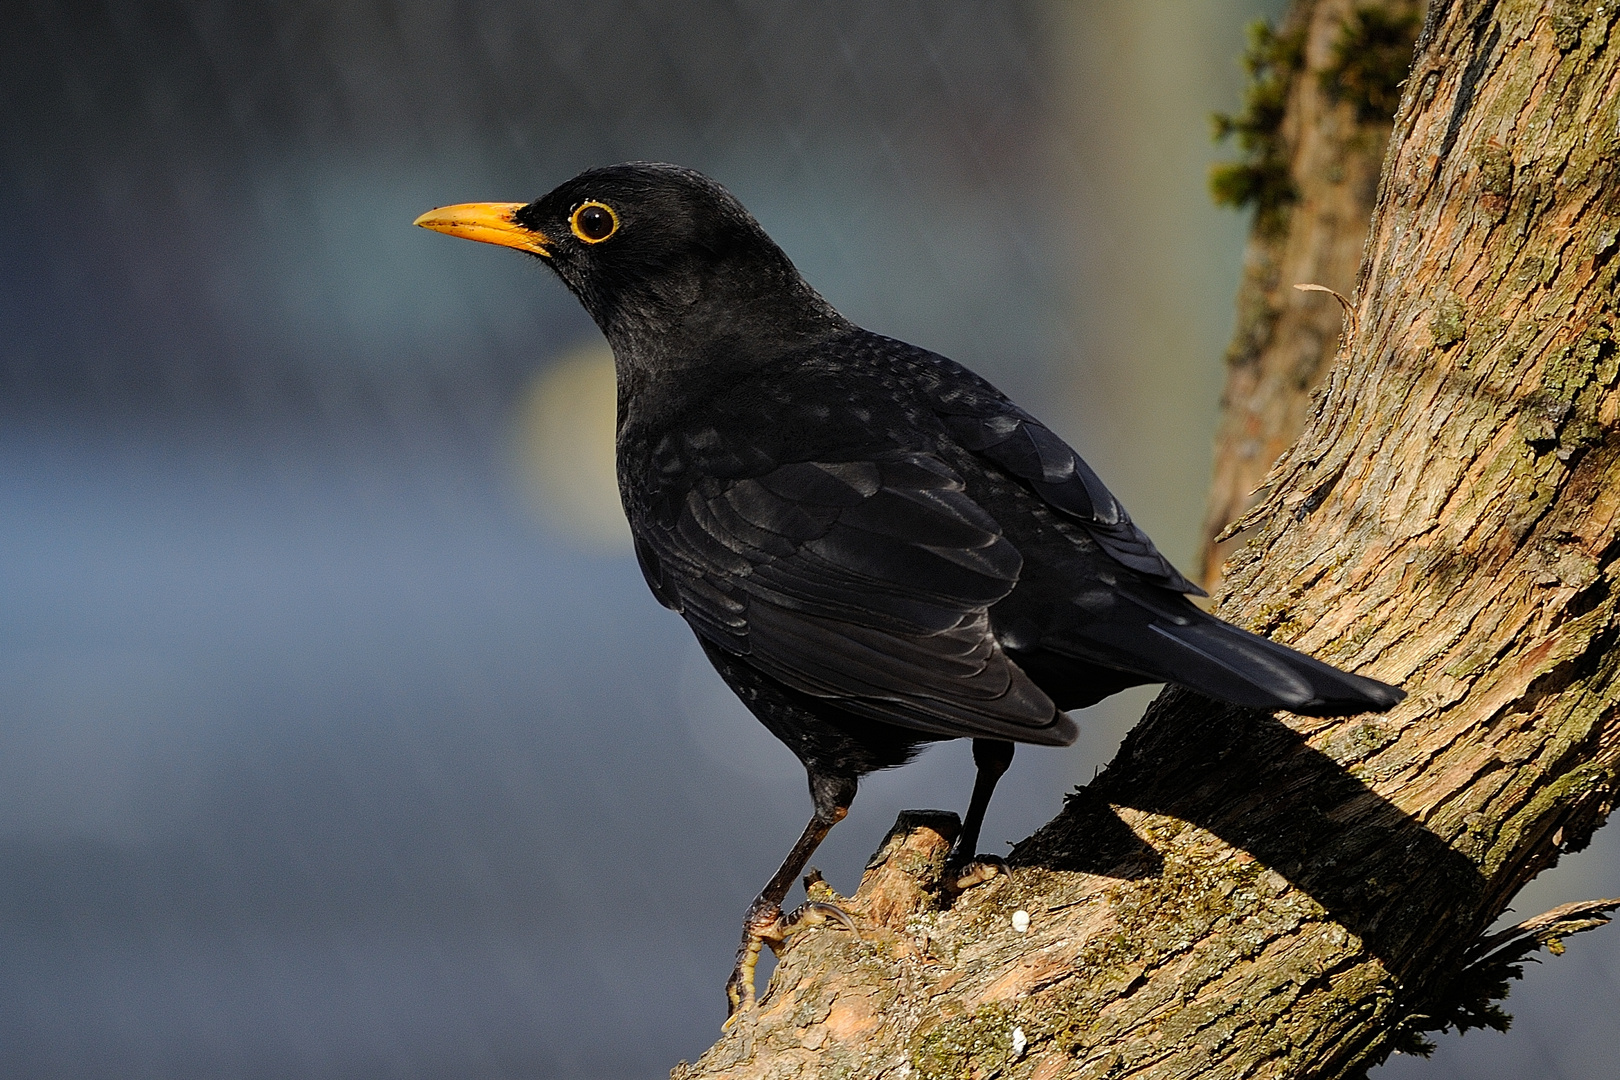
x=1248, y=895
x=1311, y=174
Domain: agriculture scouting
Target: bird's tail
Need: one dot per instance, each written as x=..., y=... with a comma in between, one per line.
x=1163, y=638
x=1220, y=660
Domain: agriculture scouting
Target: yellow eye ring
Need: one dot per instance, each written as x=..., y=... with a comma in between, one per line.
x=593, y=222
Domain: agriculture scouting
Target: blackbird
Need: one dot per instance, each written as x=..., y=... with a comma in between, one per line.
x=875, y=548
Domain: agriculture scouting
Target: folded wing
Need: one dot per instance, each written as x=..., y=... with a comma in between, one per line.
x=867, y=582
x=1132, y=617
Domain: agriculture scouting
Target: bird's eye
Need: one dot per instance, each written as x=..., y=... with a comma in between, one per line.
x=594, y=222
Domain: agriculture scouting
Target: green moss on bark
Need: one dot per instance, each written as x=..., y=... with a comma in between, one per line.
x=1261, y=178
x=1371, y=58
x=974, y=1045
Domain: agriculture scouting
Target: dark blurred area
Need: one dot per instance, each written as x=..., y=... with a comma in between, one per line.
x=338, y=733
x=206, y=197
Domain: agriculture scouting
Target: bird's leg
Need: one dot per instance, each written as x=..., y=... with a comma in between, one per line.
x=965, y=868
x=765, y=924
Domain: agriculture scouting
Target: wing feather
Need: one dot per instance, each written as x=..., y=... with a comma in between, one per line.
x=1024, y=447
x=867, y=583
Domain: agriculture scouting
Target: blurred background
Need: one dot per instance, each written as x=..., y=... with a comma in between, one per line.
x=339, y=736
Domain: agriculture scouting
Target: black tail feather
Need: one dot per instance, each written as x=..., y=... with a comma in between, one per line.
x=1251, y=670
x=1173, y=641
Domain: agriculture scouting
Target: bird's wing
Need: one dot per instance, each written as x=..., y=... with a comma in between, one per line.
x=866, y=582
x=1009, y=437
x=1131, y=623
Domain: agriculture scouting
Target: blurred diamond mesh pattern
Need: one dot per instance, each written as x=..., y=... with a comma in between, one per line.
x=339, y=739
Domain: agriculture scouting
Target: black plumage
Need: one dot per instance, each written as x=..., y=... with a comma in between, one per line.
x=874, y=546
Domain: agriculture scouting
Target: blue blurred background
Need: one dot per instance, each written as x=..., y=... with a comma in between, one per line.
x=339, y=736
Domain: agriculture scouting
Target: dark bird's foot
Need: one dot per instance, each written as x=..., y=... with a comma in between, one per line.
x=960, y=876
x=766, y=925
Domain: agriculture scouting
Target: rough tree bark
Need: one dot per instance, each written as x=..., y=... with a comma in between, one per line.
x=1248, y=895
x=1314, y=131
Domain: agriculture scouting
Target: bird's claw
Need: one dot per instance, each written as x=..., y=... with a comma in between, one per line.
x=766, y=925
x=816, y=912
x=962, y=876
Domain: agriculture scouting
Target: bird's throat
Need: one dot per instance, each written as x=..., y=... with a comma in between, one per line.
x=668, y=336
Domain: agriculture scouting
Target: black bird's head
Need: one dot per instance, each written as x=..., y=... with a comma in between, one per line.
x=669, y=264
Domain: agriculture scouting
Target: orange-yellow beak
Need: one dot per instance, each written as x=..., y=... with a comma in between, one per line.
x=488, y=223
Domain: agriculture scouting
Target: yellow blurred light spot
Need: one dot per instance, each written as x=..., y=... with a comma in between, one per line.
x=565, y=449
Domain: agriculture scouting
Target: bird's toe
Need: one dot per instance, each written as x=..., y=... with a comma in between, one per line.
x=765, y=924
x=964, y=875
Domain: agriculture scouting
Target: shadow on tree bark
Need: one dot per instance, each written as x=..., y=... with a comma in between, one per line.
x=1261, y=788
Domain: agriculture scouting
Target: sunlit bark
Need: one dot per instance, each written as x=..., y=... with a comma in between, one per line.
x=1310, y=226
